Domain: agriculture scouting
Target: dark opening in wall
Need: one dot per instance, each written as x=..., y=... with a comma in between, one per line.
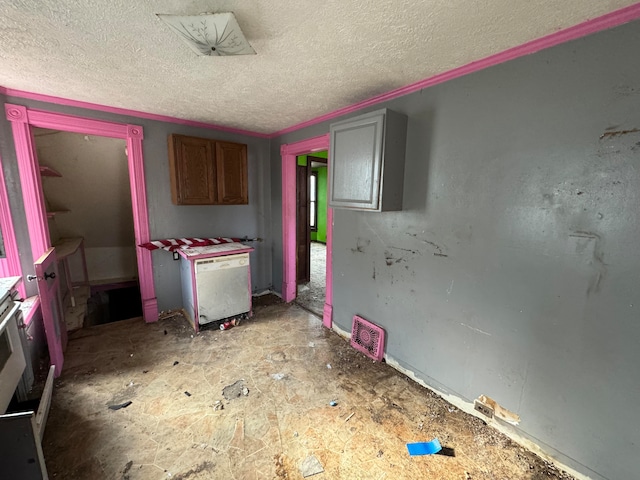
x=112, y=303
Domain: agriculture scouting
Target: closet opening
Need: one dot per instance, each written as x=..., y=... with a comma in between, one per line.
x=86, y=189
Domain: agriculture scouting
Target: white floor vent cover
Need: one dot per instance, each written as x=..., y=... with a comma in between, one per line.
x=367, y=338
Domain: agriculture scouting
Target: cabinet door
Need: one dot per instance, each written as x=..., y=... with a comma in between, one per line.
x=231, y=166
x=355, y=163
x=192, y=170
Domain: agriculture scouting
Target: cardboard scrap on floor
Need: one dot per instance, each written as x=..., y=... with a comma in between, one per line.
x=311, y=466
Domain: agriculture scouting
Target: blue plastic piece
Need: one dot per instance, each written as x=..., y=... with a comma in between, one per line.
x=424, y=448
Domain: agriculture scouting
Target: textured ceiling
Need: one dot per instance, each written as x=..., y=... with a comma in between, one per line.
x=312, y=57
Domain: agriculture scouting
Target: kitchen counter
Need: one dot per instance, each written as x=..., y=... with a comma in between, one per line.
x=196, y=253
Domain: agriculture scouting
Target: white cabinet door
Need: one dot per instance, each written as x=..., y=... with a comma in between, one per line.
x=366, y=162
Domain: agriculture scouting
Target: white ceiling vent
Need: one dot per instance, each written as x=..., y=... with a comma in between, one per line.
x=210, y=34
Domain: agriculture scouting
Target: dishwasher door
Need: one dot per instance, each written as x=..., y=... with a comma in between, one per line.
x=222, y=285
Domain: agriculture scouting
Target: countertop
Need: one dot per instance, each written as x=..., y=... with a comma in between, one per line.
x=194, y=253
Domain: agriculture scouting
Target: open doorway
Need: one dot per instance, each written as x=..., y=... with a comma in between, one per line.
x=289, y=153
x=85, y=186
x=311, y=231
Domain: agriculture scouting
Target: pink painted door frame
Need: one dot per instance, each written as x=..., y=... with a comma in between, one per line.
x=22, y=119
x=289, y=152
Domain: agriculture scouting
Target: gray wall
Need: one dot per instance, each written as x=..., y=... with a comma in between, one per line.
x=537, y=301
x=166, y=219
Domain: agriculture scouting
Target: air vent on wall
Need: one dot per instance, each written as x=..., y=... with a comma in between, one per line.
x=367, y=338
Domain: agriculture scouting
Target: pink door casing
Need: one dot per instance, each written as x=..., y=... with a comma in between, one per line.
x=22, y=119
x=52, y=313
x=289, y=152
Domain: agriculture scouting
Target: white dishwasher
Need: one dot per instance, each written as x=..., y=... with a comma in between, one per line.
x=222, y=286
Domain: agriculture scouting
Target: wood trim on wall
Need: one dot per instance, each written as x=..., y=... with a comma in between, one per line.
x=289, y=152
x=22, y=118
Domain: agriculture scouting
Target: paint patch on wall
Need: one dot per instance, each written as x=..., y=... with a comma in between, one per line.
x=488, y=404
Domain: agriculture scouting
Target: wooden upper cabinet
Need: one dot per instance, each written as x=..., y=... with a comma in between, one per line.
x=192, y=166
x=207, y=172
x=231, y=164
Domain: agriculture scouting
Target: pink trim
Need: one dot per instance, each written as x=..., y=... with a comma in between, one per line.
x=194, y=295
x=609, y=20
x=594, y=25
x=32, y=311
x=125, y=111
x=250, y=314
x=29, y=179
x=141, y=222
x=10, y=265
x=52, y=313
x=21, y=120
x=289, y=153
x=327, y=316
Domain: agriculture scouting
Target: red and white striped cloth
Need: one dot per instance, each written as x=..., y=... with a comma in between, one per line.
x=172, y=244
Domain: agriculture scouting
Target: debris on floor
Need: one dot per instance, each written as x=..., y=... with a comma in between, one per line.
x=187, y=394
x=329, y=366
x=277, y=376
x=311, y=466
x=127, y=467
x=270, y=432
x=333, y=403
x=120, y=405
x=235, y=390
x=349, y=417
x=176, y=363
x=447, y=452
x=424, y=448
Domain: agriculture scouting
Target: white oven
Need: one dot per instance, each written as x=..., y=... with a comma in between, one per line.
x=12, y=361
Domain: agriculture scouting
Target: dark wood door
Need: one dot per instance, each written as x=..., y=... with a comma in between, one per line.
x=231, y=166
x=192, y=170
x=303, y=231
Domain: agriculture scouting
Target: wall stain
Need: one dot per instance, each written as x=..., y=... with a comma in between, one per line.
x=625, y=91
x=597, y=261
x=616, y=133
x=415, y=252
x=361, y=243
x=390, y=259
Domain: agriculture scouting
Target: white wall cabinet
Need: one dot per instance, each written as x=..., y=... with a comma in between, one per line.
x=366, y=162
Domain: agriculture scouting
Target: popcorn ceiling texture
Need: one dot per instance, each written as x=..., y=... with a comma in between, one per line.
x=312, y=57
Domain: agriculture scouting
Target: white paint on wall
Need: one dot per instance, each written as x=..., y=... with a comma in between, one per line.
x=106, y=263
x=94, y=188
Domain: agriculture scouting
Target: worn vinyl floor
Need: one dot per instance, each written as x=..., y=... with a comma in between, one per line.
x=311, y=296
x=270, y=423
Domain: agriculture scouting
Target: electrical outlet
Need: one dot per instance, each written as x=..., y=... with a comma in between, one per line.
x=176, y=256
x=483, y=409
